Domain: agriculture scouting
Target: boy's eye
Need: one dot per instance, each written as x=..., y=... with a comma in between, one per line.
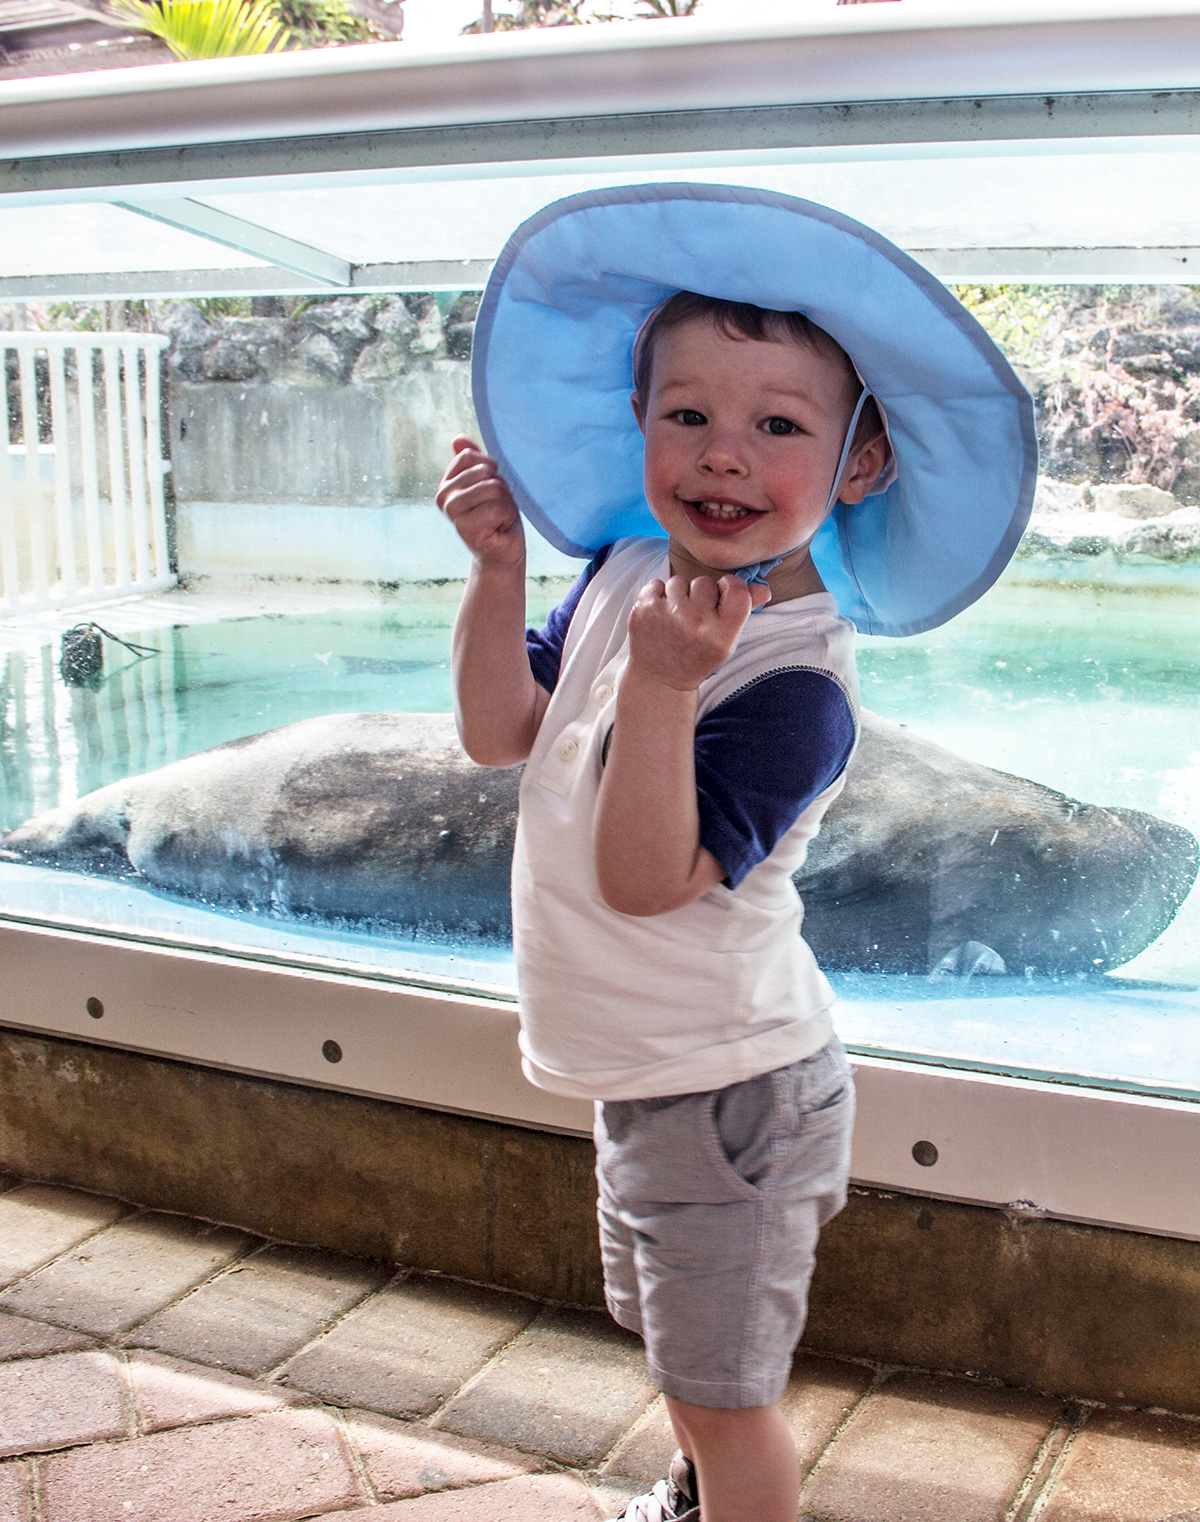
x=690, y=418
x=781, y=426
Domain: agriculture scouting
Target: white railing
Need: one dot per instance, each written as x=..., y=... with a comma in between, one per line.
x=82, y=516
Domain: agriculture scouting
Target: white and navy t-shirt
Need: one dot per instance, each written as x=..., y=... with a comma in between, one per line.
x=762, y=755
x=617, y=1006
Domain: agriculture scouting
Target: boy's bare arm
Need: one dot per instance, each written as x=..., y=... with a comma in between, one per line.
x=498, y=705
x=648, y=853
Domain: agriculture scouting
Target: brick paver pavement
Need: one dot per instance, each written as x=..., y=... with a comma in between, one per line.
x=163, y=1370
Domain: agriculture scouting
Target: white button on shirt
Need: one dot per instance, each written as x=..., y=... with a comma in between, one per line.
x=602, y=694
x=568, y=750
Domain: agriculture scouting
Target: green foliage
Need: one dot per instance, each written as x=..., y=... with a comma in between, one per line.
x=321, y=23
x=534, y=13
x=214, y=307
x=1016, y=316
x=77, y=316
x=537, y=13
x=133, y=316
x=207, y=28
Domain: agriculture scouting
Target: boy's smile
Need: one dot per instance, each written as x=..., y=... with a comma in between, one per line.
x=742, y=440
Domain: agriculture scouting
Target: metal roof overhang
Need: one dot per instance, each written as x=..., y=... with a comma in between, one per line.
x=212, y=150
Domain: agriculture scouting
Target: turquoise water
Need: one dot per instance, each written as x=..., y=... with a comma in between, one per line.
x=1088, y=687
x=206, y=683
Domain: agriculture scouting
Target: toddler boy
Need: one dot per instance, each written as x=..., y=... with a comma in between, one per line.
x=685, y=719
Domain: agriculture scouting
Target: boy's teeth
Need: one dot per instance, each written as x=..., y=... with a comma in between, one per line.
x=722, y=510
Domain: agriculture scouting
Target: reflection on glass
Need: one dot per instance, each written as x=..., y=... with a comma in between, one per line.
x=985, y=921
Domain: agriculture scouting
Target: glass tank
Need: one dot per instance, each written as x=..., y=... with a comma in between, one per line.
x=225, y=704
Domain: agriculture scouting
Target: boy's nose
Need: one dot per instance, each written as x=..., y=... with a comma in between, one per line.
x=719, y=458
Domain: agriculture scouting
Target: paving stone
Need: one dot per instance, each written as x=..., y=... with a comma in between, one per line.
x=252, y=1317
x=931, y=1450
x=404, y=1461
x=644, y=1452
x=1128, y=1467
x=568, y=1387
x=818, y=1398
x=408, y=1349
x=22, y=1338
x=286, y=1464
x=64, y=1399
x=171, y=1393
x=122, y=1275
x=611, y=1494
x=16, y=1492
x=820, y=1395
x=542, y=1498
x=39, y=1221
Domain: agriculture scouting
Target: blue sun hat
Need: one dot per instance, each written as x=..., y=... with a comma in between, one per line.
x=553, y=370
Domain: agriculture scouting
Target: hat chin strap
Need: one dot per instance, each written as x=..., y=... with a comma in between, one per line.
x=761, y=569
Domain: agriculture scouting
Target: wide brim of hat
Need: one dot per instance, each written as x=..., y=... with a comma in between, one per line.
x=552, y=375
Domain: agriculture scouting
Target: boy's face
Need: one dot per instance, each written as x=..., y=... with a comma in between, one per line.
x=742, y=439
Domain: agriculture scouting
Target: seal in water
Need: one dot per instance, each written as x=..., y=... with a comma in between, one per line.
x=382, y=818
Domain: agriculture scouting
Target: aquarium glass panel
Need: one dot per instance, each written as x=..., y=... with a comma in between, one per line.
x=225, y=701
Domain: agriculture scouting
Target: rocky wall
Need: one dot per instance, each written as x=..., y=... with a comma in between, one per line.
x=353, y=401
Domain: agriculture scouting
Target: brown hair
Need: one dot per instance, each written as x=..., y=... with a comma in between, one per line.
x=739, y=319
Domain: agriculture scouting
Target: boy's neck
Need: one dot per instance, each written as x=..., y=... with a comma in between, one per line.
x=794, y=576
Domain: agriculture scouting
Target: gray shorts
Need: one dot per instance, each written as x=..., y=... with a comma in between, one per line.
x=710, y=1206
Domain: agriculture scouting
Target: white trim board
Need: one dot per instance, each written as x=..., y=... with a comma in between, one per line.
x=1082, y=1154
x=791, y=55
x=1013, y=266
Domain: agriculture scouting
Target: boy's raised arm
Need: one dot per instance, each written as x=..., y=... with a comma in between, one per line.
x=498, y=705
x=648, y=853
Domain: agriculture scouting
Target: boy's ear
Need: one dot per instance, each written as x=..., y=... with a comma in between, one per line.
x=637, y=411
x=869, y=465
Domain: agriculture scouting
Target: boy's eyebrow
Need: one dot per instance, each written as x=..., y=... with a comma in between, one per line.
x=777, y=391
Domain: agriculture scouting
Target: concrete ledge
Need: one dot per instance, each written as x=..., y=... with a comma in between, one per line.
x=1075, y=1310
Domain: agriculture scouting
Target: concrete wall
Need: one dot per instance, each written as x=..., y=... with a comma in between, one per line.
x=1075, y=1310
x=324, y=483
x=347, y=446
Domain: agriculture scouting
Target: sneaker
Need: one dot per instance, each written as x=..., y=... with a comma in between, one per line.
x=671, y=1500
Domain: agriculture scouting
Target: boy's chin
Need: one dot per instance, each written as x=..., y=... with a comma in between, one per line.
x=690, y=559
x=721, y=555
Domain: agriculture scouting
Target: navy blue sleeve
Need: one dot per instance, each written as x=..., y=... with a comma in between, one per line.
x=762, y=756
x=545, y=646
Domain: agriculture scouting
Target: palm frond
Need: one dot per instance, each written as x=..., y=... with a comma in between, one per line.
x=206, y=28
